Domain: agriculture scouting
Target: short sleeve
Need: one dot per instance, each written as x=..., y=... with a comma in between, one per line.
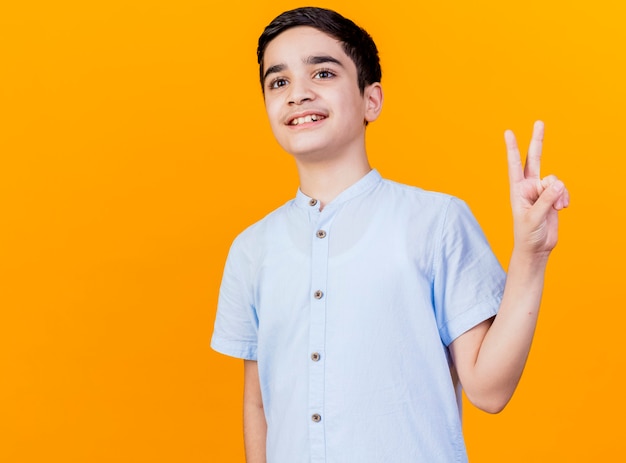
x=468, y=279
x=236, y=323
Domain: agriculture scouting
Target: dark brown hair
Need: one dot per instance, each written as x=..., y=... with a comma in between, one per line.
x=357, y=43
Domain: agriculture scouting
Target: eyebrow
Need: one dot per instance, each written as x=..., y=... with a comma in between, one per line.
x=274, y=70
x=321, y=59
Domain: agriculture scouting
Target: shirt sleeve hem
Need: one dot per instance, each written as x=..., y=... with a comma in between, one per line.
x=237, y=349
x=467, y=320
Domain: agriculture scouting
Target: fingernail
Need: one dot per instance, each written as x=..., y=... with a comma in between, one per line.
x=558, y=186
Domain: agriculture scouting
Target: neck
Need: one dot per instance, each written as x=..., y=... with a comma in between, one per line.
x=324, y=181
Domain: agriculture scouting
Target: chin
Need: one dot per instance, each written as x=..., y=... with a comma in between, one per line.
x=308, y=155
x=305, y=149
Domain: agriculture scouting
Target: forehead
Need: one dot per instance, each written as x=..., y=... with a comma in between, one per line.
x=300, y=42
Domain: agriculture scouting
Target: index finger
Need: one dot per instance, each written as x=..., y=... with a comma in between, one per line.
x=533, y=160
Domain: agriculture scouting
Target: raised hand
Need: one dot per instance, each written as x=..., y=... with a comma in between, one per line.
x=535, y=201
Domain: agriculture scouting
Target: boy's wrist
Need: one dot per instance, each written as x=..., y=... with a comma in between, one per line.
x=535, y=260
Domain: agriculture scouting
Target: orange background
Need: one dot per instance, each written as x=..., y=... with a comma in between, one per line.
x=134, y=147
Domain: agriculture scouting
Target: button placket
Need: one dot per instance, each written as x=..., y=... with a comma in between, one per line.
x=317, y=331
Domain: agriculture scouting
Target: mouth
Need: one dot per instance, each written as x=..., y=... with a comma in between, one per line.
x=305, y=119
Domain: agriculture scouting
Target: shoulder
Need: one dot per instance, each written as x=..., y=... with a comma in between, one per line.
x=423, y=211
x=255, y=235
x=412, y=192
x=416, y=198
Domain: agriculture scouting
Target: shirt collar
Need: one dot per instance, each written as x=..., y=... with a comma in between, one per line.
x=365, y=183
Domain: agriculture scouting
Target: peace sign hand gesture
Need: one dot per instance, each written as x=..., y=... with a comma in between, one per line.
x=535, y=202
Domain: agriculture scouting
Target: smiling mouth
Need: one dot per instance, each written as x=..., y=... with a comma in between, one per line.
x=305, y=119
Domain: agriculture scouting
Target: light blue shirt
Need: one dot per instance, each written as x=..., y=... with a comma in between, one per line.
x=349, y=312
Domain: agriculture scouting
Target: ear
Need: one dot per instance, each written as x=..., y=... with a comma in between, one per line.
x=373, y=98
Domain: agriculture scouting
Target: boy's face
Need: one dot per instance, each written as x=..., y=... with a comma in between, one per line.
x=312, y=98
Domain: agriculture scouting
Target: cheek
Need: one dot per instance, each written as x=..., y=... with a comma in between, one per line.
x=272, y=114
x=352, y=102
x=272, y=109
x=276, y=122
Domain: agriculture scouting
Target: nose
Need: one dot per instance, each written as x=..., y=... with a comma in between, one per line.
x=301, y=92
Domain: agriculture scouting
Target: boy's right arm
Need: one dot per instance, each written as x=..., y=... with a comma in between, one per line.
x=254, y=424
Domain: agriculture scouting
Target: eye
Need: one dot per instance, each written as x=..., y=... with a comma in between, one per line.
x=277, y=83
x=324, y=74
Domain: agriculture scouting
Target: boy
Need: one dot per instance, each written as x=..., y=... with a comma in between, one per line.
x=361, y=306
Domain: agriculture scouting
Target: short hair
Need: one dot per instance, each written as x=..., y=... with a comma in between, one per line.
x=356, y=42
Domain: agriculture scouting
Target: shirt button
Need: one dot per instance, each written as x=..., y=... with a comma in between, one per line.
x=321, y=234
x=318, y=294
x=315, y=356
x=312, y=202
x=316, y=417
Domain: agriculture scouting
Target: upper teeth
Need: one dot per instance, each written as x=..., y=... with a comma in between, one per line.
x=309, y=118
